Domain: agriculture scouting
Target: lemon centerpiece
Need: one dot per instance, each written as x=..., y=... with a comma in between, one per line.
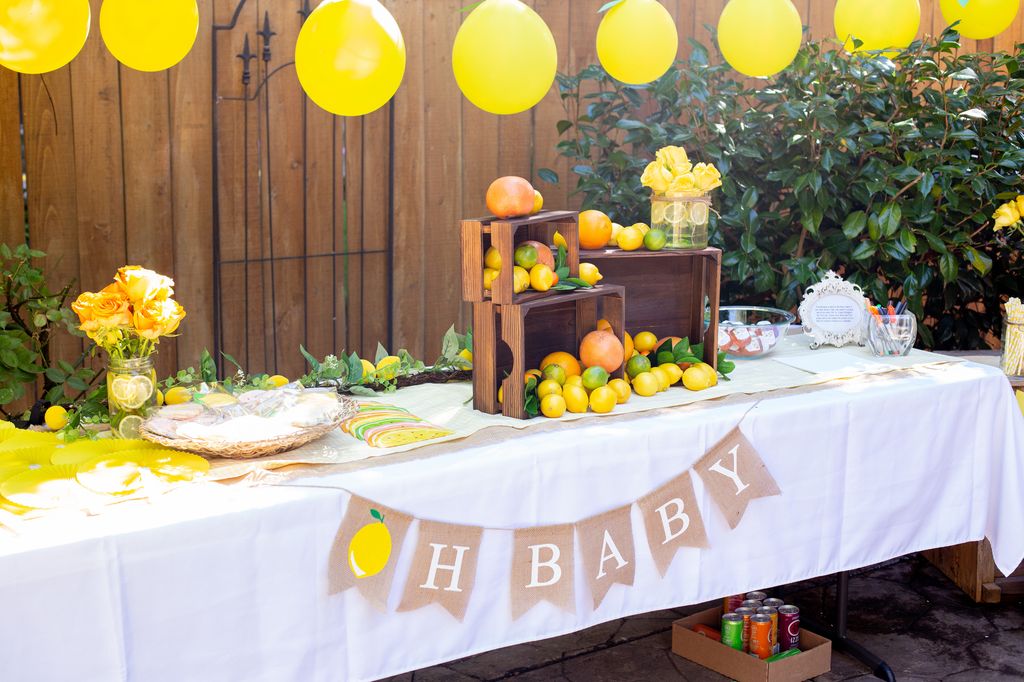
x=370, y=548
x=680, y=203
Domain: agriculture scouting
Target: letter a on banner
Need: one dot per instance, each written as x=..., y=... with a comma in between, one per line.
x=366, y=550
x=672, y=519
x=606, y=542
x=735, y=474
x=542, y=568
x=443, y=567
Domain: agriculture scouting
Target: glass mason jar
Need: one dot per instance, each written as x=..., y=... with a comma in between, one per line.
x=891, y=335
x=684, y=219
x=131, y=394
x=1011, y=359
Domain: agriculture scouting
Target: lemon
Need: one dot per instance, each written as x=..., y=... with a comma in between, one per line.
x=559, y=240
x=368, y=369
x=56, y=418
x=603, y=400
x=622, y=390
x=594, y=377
x=538, y=202
x=131, y=393
x=699, y=214
x=630, y=239
x=658, y=212
x=548, y=387
x=520, y=280
x=467, y=355
x=663, y=379
x=159, y=397
x=710, y=371
x=696, y=379
x=501, y=396
x=555, y=373
x=643, y=227
x=645, y=341
x=178, y=395
x=674, y=373
x=646, y=384
x=576, y=399
x=542, y=278
x=492, y=259
x=129, y=427
x=369, y=550
x=604, y=325
x=590, y=274
x=675, y=213
x=277, y=381
x=217, y=399
x=552, y=406
x=638, y=364
x=575, y=380
x=387, y=368
x=490, y=275
x=614, y=240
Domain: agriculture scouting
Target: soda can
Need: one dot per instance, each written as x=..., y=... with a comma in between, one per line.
x=732, y=631
x=772, y=613
x=746, y=613
x=772, y=601
x=789, y=627
x=752, y=604
x=707, y=631
x=761, y=644
x=759, y=596
x=731, y=603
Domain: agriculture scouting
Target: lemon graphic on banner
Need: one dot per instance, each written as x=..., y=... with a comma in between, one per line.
x=370, y=548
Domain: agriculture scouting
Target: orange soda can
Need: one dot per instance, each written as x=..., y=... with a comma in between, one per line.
x=772, y=613
x=747, y=613
x=761, y=643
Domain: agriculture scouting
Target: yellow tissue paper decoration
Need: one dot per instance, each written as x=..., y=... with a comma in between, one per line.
x=637, y=41
x=877, y=24
x=504, y=57
x=123, y=473
x=760, y=37
x=350, y=56
x=980, y=19
x=46, y=487
x=149, y=35
x=39, y=36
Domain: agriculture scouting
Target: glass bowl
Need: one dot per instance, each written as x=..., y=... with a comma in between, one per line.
x=750, y=332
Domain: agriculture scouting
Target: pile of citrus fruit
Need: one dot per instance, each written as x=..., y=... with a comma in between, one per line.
x=597, y=231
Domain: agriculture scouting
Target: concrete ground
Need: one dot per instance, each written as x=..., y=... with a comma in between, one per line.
x=905, y=611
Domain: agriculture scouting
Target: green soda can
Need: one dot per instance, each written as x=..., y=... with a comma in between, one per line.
x=732, y=631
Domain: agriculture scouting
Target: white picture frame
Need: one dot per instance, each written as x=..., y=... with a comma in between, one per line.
x=832, y=312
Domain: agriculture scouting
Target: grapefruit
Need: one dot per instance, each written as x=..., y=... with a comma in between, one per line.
x=595, y=230
x=544, y=255
x=510, y=197
x=570, y=364
x=602, y=349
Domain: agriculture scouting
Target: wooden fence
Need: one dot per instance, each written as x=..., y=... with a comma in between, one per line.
x=280, y=223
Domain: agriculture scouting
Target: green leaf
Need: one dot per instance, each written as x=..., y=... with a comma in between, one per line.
x=889, y=219
x=355, y=369
x=382, y=353
x=579, y=283
x=948, y=267
x=546, y=174
x=77, y=383
x=979, y=261
x=363, y=391
x=863, y=251
x=854, y=224
x=314, y=364
x=377, y=515
x=450, y=344
x=55, y=375
x=470, y=7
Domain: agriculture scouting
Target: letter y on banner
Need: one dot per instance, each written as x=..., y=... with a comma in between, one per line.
x=542, y=568
x=443, y=567
x=735, y=474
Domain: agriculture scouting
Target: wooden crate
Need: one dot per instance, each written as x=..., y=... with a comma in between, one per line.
x=478, y=234
x=510, y=339
x=667, y=292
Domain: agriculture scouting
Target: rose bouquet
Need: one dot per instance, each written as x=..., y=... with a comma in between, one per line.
x=680, y=204
x=127, y=319
x=1010, y=214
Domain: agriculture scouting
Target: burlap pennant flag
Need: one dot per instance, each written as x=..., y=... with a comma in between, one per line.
x=672, y=520
x=606, y=542
x=542, y=568
x=366, y=550
x=735, y=474
x=443, y=567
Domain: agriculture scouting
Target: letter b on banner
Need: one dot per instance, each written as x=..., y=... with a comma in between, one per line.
x=542, y=568
x=672, y=520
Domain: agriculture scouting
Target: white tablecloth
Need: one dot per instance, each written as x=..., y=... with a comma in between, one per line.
x=228, y=584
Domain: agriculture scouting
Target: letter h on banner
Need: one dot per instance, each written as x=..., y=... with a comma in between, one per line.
x=443, y=567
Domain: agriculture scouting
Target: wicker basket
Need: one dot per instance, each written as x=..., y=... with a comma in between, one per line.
x=255, y=448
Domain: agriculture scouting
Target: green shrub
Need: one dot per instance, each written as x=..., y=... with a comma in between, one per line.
x=884, y=170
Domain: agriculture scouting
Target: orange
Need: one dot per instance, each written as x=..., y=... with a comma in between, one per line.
x=628, y=346
x=510, y=197
x=595, y=229
x=602, y=349
x=604, y=325
x=544, y=255
x=570, y=364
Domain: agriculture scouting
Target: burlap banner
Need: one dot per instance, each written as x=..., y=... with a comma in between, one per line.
x=366, y=550
x=672, y=520
x=443, y=567
x=735, y=474
x=606, y=542
x=542, y=568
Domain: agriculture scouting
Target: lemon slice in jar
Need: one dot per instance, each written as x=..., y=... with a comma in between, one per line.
x=129, y=427
x=699, y=214
x=131, y=393
x=658, y=212
x=675, y=213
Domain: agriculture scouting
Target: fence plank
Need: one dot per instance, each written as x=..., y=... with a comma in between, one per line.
x=549, y=112
x=12, y=199
x=375, y=195
x=320, y=287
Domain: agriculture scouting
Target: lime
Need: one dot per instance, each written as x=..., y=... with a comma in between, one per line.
x=594, y=377
x=655, y=240
x=526, y=256
x=129, y=426
x=638, y=364
x=555, y=373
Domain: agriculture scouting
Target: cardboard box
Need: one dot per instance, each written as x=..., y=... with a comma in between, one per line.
x=815, y=659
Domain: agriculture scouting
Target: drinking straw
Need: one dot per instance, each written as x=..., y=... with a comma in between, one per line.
x=1013, y=353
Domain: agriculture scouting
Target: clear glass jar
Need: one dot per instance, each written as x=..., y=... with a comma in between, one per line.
x=131, y=394
x=1011, y=359
x=891, y=335
x=684, y=219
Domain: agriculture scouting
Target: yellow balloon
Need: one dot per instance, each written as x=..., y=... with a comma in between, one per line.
x=504, y=57
x=149, y=35
x=760, y=37
x=350, y=56
x=980, y=19
x=877, y=24
x=631, y=24
x=38, y=36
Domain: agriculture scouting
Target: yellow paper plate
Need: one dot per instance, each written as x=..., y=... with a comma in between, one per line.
x=28, y=454
x=19, y=438
x=123, y=473
x=47, y=487
x=82, y=451
x=8, y=469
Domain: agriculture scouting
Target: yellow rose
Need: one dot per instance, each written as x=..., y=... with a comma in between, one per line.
x=140, y=285
x=1020, y=205
x=105, y=310
x=685, y=185
x=157, y=317
x=708, y=177
x=1006, y=215
x=675, y=160
x=657, y=177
